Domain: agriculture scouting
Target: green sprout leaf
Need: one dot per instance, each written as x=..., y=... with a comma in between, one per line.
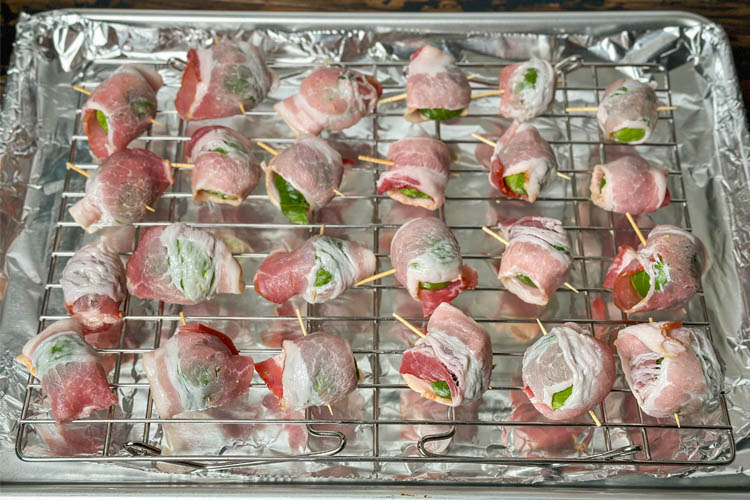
x=529, y=80
x=323, y=277
x=602, y=184
x=433, y=286
x=559, y=398
x=221, y=195
x=525, y=280
x=414, y=193
x=641, y=283
x=102, y=119
x=293, y=205
x=441, y=389
x=141, y=108
x=220, y=150
x=439, y=114
x=562, y=249
x=516, y=183
x=658, y=361
x=628, y=135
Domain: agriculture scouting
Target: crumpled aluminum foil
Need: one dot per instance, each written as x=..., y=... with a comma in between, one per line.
x=54, y=50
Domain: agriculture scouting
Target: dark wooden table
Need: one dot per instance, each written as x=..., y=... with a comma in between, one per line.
x=733, y=15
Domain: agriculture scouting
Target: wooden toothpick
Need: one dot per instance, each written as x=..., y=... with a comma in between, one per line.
x=488, y=94
x=595, y=418
x=484, y=140
x=339, y=193
x=566, y=177
x=571, y=287
x=495, y=235
x=149, y=208
x=301, y=323
x=375, y=277
x=268, y=148
x=322, y=229
x=677, y=418
x=76, y=169
x=544, y=330
x=375, y=160
x=182, y=318
x=182, y=165
x=409, y=325
x=635, y=228
x=242, y=108
x=393, y=98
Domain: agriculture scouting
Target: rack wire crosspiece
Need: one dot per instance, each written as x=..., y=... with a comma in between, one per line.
x=590, y=266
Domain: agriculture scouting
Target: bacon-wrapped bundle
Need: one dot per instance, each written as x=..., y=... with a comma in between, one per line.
x=567, y=372
x=219, y=79
x=665, y=274
x=70, y=371
x=629, y=184
x=537, y=259
x=180, y=264
x=628, y=111
x=315, y=370
x=303, y=177
x=120, y=109
x=452, y=364
x=330, y=98
x=197, y=368
x=93, y=285
x=428, y=262
x=320, y=270
x=521, y=162
x=419, y=174
x=436, y=88
x=670, y=368
x=528, y=89
x=224, y=169
x=121, y=188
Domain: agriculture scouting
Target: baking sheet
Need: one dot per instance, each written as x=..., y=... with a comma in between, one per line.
x=56, y=49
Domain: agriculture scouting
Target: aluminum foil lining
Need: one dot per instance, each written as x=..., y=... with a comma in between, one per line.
x=57, y=49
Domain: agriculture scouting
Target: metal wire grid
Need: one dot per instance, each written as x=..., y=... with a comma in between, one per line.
x=638, y=454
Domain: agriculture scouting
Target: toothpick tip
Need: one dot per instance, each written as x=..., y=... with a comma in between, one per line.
x=544, y=330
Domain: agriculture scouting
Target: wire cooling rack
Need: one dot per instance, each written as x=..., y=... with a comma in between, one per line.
x=626, y=437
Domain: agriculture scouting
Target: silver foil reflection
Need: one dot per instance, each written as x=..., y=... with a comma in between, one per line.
x=56, y=49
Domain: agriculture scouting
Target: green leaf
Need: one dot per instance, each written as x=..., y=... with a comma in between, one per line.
x=439, y=114
x=529, y=80
x=441, y=389
x=602, y=183
x=102, y=119
x=220, y=150
x=562, y=249
x=191, y=269
x=641, y=282
x=618, y=92
x=319, y=384
x=237, y=84
x=323, y=277
x=414, y=193
x=293, y=204
x=628, y=135
x=141, y=108
x=61, y=349
x=516, y=183
x=661, y=274
x=525, y=280
x=658, y=361
x=433, y=286
x=221, y=195
x=559, y=398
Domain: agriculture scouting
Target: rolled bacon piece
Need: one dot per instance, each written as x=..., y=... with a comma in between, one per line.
x=452, y=364
x=670, y=368
x=303, y=177
x=224, y=169
x=419, y=174
x=330, y=98
x=427, y=259
x=121, y=188
x=320, y=270
x=628, y=111
x=663, y=275
x=197, y=368
x=120, y=109
x=93, y=284
x=180, y=264
x=435, y=89
x=567, y=372
x=315, y=370
x=219, y=79
x=629, y=184
x=521, y=162
x=528, y=89
x=70, y=371
x=537, y=259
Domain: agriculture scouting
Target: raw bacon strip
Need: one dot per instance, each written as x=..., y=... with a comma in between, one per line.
x=419, y=174
x=528, y=89
x=182, y=265
x=435, y=83
x=670, y=368
x=121, y=189
x=537, y=259
x=629, y=184
x=219, y=79
x=93, y=285
x=315, y=370
x=320, y=270
x=428, y=263
x=521, y=162
x=567, y=372
x=224, y=168
x=120, y=109
x=628, y=112
x=663, y=275
x=452, y=365
x=330, y=99
x=197, y=368
x=312, y=168
x=70, y=371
